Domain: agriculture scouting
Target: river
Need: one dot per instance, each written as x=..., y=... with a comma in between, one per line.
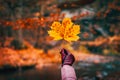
x=84, y=71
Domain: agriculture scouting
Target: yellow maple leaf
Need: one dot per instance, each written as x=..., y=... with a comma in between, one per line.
x=66, y=30
x=67, y=22
x=55, y=25
x=55, y=35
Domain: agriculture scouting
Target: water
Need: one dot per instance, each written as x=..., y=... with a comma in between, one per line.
x=46, y=73
x=84, y=71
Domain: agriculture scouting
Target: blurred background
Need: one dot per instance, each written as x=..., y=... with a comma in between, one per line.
x=28, y=53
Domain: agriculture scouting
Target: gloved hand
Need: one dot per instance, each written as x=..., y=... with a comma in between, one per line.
x=67, y=57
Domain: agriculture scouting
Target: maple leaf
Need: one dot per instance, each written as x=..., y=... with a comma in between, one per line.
x=66, y=30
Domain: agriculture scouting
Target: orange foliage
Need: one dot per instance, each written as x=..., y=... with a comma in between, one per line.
x=27, y=57
x=30, y=23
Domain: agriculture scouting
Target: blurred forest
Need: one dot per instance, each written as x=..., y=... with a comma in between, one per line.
x=24, y=39
x=26, y=20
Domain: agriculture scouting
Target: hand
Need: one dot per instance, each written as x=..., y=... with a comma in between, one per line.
x=63, y=53
x=67, y=57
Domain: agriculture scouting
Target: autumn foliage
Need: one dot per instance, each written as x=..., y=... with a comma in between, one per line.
x=66, y=30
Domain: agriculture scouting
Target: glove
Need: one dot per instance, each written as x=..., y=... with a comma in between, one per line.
x=63, y=53
x=67, y=57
